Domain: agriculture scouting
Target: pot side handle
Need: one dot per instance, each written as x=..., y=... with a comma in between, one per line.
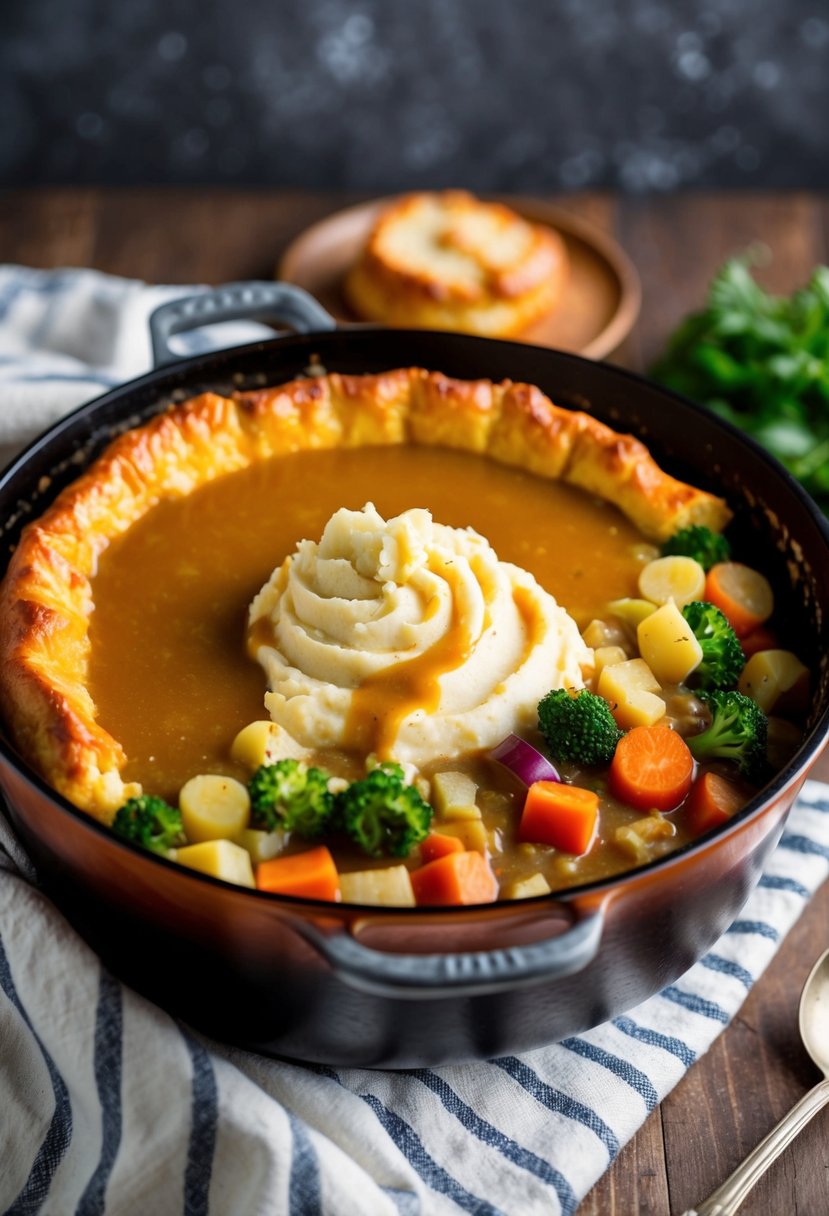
x=235, y=302
x=477, y=973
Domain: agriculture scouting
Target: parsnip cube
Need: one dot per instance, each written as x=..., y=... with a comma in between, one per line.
x=667, y=644
x=220, y=859
x=595, y=634
x=605, y=656
x=458, y=813
x=213, y=808
x=452, y=792
x=390, y=887
x=631, y=689
x=525, y=888
x=680, y=579
x=631, y=611
x=471, y=832
x=262, y=846
x=265, y=743
x=777, y=681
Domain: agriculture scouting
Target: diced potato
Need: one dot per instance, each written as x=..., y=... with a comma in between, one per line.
x=213, y=808
x=644, y=839
x=777, y=681
x=265, y=743
x=631, y=689
x=453, y=795
x=219, y=858
x=680, y=579
x=667, y=644
x=525, y=888
x=262, y=846
x=471, y=831
x=604, y=656
x=631, y=611
x=391, y=887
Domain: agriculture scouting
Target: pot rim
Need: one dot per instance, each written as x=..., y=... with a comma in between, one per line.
x=168, y=379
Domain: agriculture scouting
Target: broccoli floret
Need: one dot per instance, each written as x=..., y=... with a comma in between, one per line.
x=290, y=795
x=701, y=543
x=579, y=728
x=150, y=822
x=738, y=732
x=722, y=654
x=382, y=814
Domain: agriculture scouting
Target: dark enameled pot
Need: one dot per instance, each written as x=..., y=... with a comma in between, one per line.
x=399, y=988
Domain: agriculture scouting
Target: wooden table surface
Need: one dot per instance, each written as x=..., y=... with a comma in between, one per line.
x=757, y=1068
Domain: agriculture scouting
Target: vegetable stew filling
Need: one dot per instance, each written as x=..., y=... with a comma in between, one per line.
x=480, y=739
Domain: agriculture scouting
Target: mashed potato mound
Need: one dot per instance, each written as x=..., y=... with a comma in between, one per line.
x=409, y=639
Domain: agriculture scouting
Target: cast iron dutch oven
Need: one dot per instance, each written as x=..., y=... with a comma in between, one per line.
x=400, y=988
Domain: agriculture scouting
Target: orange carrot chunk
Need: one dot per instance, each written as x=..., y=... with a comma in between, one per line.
x=311, y=875
x=652, y=768
x=761, y=638
x=437, y=845
x=712, y=801
x=742, y=594
x=564, y=816
x=456, y=878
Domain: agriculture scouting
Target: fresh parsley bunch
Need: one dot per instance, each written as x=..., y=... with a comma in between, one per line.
x=761, y=362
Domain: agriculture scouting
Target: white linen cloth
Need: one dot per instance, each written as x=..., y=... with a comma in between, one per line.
x=108, y=1105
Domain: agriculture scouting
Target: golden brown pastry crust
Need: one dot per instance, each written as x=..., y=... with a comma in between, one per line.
x=451, y=261
x=46, y=597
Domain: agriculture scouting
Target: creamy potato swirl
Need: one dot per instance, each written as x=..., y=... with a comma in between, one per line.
x=408, y=639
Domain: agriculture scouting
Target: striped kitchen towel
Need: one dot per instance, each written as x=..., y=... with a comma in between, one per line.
x=108, y=1105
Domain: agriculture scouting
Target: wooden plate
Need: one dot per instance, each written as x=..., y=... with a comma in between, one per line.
x=599, y=305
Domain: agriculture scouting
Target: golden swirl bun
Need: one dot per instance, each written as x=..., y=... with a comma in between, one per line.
x=451, y=261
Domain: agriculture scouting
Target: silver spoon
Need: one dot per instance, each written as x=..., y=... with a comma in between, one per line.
x=814, y=1031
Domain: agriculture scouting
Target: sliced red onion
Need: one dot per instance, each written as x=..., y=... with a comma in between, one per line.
x=524, y=761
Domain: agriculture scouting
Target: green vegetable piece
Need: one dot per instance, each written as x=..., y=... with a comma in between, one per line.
x=580, y=728
x=762, y=363
x=700, y=543
x=150, y=822
x=290, y=795
x=722, y=654
x=382, y=814
x=738, y=732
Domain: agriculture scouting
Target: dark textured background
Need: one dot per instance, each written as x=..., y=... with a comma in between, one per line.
x=385, y=94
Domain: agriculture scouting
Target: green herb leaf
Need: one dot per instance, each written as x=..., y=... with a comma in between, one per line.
x=762, y=362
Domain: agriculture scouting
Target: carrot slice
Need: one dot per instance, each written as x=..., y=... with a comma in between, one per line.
x=652, y=768
x=741, y=593
x=457, y=878
x=712, y=801
x=564, y=816
x=761, y=638
x=437, y=845
x=311, y=875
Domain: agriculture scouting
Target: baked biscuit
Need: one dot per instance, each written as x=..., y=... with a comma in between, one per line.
x=451, y=261
x=46, y=598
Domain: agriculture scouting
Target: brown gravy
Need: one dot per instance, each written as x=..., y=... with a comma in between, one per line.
x=168, y=667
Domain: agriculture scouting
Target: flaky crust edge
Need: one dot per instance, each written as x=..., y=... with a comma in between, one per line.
x=46, y=597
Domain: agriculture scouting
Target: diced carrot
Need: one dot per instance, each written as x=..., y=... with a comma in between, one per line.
x=761, y=638
x=457, y=878
x=437, y=845
x=564, y=816
x=741, y=593
x=311, y=875
x=652, y=768
x=712, y=801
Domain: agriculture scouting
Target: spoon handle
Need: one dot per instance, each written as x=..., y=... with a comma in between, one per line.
x=728, y=1197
